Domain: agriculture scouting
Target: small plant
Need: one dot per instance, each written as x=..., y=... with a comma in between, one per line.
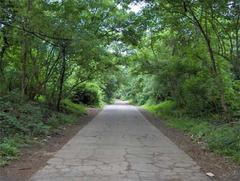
x=8, y=151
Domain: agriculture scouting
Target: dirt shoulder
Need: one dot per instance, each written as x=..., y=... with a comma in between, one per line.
x=222, y=168
x=35, y=156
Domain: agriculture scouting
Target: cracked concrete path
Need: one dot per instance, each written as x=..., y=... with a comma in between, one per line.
x=119, y=144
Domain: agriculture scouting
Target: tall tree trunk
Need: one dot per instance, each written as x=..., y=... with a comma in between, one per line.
x=2, y=52
x=237, y=61
x=25, y=51
x=62, y=76
x=24, y=64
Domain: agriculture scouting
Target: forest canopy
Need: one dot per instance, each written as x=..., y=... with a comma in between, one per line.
x=188, y=53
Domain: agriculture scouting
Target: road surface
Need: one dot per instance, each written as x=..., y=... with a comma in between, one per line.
x=119, y=144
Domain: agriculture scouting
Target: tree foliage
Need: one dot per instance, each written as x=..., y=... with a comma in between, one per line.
x=190, y=54
x=50, y=47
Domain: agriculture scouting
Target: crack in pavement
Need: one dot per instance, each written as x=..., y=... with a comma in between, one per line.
x=119, y=144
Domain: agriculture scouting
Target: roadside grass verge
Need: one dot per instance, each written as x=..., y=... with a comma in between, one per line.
x=78, y=109
x=25, y=123
x=222, y=139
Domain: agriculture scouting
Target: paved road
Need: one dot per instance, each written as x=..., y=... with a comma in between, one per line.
x=119, y=144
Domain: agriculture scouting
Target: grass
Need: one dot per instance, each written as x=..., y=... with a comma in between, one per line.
x=24, y=123
x=222, y=139
x=72, y=107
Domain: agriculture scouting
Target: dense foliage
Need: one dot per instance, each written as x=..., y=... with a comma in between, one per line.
x=189, y=54
x=88, y=94
x=48, y=48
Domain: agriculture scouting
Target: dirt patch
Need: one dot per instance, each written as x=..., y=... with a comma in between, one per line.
x=36, y=156
x=222, y=168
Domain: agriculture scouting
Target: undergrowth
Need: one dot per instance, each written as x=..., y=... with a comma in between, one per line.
x=223, y=139
x=24, y=122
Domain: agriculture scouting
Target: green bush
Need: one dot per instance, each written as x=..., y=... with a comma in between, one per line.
x=68, y=105
x=200, y=95
x=89, y=94
x=165, y=107
x=8, y=148
x=41, y=99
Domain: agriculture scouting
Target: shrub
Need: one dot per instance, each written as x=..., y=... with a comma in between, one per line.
x=89, y=94
x=41, y=99
x=165, y=107
x=200, y=95
x=69, y=106
x=8, y=147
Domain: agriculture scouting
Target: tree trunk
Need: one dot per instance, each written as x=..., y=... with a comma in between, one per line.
x=25, y=51
x=237, y=66
x=2, y=52
x=62, y=76
x=24, y=68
